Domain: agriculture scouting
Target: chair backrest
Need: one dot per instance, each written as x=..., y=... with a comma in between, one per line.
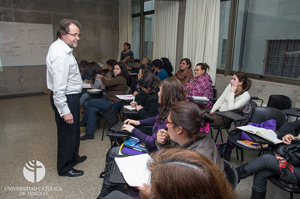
x=280, y=102
x=262, y=114
x=231, y=173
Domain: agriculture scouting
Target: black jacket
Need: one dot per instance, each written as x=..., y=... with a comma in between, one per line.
x=289, y=128
x=150, y=106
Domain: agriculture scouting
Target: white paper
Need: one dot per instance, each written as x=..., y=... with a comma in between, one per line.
x=198, y=98
x=134, y=169
x=125, y=97
x=129, y=107
x=86, y=85
x=267, y=134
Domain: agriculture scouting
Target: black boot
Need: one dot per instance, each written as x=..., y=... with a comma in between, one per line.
x=257, y=195
x=242, y=173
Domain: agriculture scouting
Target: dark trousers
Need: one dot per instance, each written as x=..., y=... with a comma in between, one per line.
x=67, y=135
x=264, y=167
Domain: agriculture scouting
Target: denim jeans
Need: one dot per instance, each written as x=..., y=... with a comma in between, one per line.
x=84, y=98
x=264, y=167
x=94, y=106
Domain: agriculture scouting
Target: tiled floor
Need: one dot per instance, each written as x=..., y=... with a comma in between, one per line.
x=28, y=132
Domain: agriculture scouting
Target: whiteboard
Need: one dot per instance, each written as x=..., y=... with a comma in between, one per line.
x=23, y=44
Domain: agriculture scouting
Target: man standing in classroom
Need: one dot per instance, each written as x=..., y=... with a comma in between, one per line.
x=64, y=81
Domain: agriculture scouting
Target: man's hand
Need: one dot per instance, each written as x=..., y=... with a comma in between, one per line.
x=69, y=118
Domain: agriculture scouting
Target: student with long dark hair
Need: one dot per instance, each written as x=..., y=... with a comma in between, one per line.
x=170, y=92
x=167, y=66
x=116, y=86
x=234, y=97
x=187, y=128
x=94, y=73
x=147, y=106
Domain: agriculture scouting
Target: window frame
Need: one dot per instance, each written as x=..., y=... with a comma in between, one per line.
x=142, y=15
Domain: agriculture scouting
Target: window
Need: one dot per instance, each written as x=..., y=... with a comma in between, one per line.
x=142, y=28
x=283, y=58
x=265, y=39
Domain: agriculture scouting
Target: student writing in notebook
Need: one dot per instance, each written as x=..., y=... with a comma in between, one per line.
x=171, y=91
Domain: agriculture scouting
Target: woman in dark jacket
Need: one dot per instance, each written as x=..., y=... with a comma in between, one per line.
x=148, y=105
x=116, y=86
x=268, y=164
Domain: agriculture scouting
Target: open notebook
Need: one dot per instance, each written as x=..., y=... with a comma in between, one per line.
x=267, y=134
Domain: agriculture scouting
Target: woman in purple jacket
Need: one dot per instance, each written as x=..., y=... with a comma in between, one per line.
x=171, y=91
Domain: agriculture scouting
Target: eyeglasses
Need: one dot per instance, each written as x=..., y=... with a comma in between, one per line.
x=168, y=122
x=75, y=34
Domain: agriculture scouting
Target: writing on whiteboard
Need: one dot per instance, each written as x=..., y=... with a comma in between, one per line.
x=24, y=44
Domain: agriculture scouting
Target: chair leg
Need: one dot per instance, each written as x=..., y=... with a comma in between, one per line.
x=242, y=154
x=103, y=130
x=291, y=195
x=217, y=135
x=237, y=153
x=221, y=135
x=211, y=133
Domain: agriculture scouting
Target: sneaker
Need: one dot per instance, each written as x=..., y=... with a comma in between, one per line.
x=87, y=137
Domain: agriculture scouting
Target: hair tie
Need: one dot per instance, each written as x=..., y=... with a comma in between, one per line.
x=205, y=128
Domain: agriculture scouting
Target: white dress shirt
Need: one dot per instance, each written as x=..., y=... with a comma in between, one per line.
x=63, y=76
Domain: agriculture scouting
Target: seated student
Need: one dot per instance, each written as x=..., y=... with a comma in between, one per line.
x=135, y=89
x=273, y=164
x=147, y=106
x=200, y=85
x=167, y=66
x=82, y=67
x=187, y=127
x=158, y=67
x=180, y=173
x=110, y=64
x=170, y=92
x=185, y=73
x=116, y=86
x=146, y=62
x=94, y=73
x=234, y=97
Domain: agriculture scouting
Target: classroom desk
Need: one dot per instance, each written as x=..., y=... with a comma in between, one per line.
x=292, y=112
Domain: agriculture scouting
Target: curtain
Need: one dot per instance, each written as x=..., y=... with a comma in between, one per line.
x=165, y=30
x=125, y=24
x=201, y=33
